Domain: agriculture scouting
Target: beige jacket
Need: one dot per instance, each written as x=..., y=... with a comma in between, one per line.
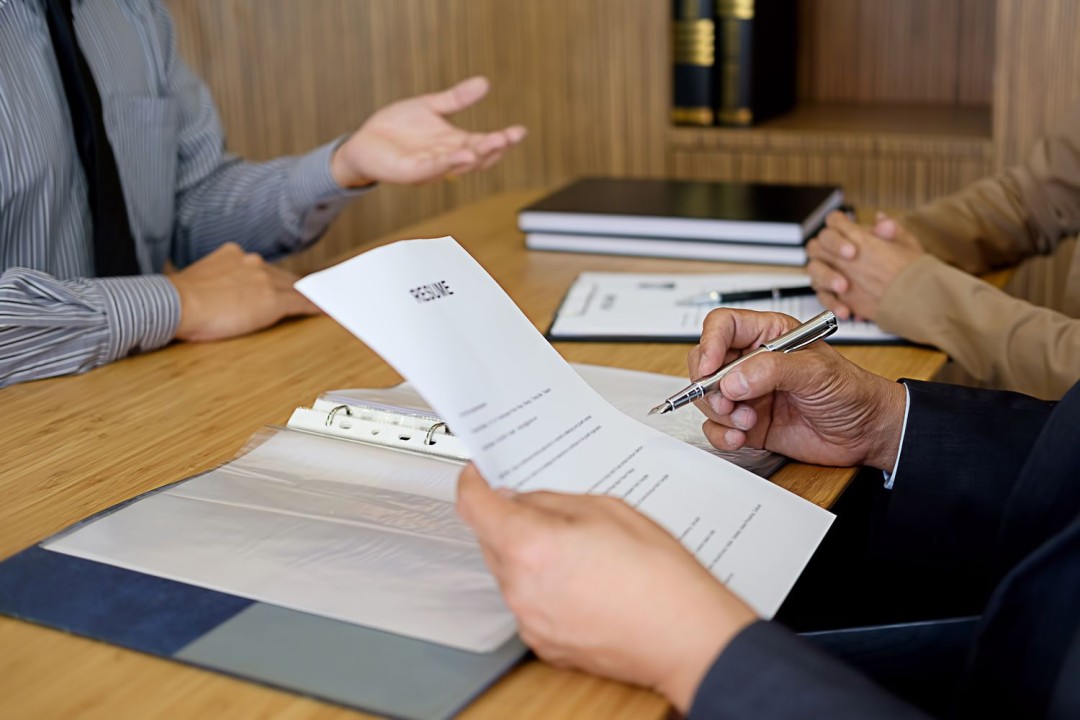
x=1026, y=338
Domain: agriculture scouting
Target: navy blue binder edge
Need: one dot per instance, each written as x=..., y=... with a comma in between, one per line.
x=166, y=618
x=123, y=607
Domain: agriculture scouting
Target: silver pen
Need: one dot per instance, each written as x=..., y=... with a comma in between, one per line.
x=817, y=328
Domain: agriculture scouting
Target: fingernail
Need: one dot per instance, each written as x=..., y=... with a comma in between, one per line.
x=838, y=286
x=733, y=438
x=735, y=385
x=847, y=250
x=741, y=418
x=506, y=492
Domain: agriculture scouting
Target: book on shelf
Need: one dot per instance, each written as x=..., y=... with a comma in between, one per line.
x=755, y=60
x=728, y=221
x=733, y=61
x=693, y=43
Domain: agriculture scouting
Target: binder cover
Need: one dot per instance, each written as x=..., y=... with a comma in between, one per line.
x=339, y=662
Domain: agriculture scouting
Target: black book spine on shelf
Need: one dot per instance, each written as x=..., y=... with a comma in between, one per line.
x=755, y=67
x=693, y=43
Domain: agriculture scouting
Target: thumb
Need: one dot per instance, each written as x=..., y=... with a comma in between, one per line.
x=565, y=505
x=798, y=373
x=458, y=97
x=488, y=512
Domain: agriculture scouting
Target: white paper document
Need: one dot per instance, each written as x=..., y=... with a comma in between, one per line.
x=338, y=528
x=368, y=534
x=530, y=422
x=631, y=391
x=352, y=532
x=647, y=306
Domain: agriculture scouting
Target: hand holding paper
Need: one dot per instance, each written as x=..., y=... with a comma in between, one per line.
x=599, y=587
x=533, y=424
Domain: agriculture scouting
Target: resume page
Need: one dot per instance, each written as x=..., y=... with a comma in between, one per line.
x=531, y=423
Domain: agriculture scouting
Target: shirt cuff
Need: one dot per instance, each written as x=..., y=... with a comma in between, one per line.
x=890, y=476
x=315, y=194
x=143, y=313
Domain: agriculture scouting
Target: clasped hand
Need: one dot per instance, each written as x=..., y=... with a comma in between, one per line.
x=851, y=267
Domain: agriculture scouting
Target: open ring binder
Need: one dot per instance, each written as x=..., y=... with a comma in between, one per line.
x=386, y=427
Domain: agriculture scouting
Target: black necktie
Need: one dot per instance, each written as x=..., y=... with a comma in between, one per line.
x=114, y=246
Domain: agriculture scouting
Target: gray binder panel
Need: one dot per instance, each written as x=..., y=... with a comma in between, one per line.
x=347, y=664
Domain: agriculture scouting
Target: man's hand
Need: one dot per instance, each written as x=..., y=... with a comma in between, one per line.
x=811, y=405
x=597, y=586
x=411, y=142
x=851, y=267
x=230, y=292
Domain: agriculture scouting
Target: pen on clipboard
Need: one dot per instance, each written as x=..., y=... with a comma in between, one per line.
x=817, y=328
x=716, y=297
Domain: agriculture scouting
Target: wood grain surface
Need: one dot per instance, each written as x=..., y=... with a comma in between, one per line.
x=70, y=447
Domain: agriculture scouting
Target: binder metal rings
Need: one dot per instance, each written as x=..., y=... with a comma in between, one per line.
x=330, y=416
x=429, y=438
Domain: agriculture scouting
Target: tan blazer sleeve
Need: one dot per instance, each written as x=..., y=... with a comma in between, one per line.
x=1000, y=220
x=1000, y=340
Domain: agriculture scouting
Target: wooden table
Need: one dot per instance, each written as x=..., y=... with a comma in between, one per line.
x=70, y=447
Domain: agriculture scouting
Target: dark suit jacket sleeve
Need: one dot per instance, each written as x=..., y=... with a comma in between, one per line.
x=964, y=450
x=962, y=454
x=768, y=672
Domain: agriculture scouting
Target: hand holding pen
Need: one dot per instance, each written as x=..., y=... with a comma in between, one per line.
x=817, y=328
x=812, y=405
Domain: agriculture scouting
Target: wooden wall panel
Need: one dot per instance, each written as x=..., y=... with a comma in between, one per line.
x=896, y=51
x=1038, y=72
x=589, y=79
x=897, y=179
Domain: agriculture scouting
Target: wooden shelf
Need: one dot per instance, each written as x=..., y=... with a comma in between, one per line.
x=953, y=131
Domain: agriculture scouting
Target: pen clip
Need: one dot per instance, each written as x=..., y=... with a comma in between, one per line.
x=817, y=328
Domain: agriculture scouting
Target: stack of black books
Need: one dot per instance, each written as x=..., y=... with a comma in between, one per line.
x=733, y=222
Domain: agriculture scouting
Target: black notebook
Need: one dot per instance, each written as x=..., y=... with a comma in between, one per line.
x=741, y=222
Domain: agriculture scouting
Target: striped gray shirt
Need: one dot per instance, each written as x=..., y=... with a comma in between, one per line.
x=185, y=195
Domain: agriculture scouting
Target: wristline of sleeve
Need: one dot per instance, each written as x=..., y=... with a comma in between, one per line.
x=999, y=339
x=143, y=313
x=311, y=183
x=914, y=305
x=964, y=448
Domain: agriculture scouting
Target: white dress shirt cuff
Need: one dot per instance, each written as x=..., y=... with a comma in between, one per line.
x=890, y=476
